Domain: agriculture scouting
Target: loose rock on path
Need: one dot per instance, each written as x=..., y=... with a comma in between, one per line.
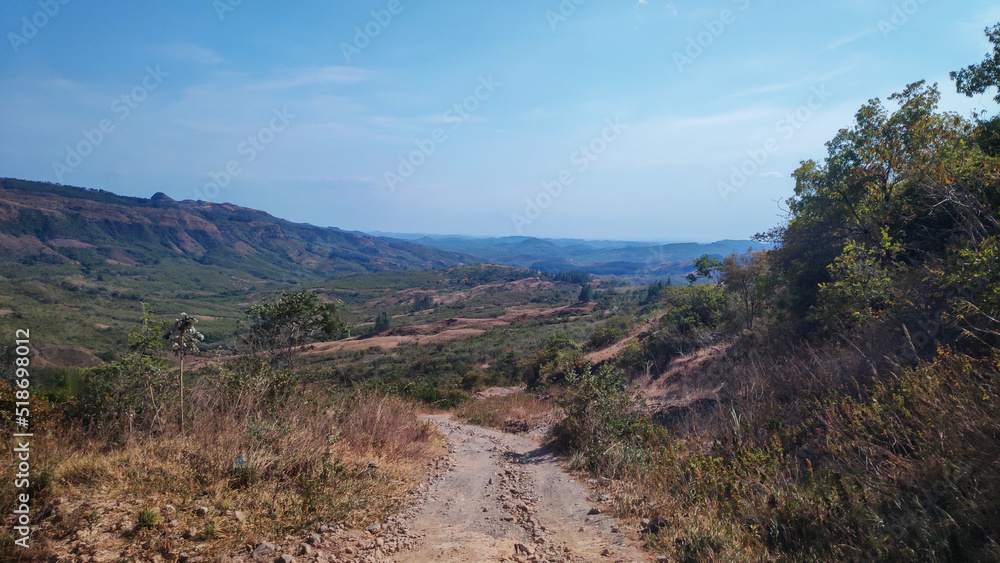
x=505, y=498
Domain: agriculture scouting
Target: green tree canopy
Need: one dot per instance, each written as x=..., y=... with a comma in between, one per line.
x=276, y=328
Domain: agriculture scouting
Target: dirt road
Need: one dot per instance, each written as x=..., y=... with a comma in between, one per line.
x=506, y=499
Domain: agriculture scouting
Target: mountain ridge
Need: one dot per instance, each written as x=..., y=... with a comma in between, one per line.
x=55, y=223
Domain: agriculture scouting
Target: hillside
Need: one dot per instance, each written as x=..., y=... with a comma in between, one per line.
x=632, y=260
x=62, y=225
x=76, y=263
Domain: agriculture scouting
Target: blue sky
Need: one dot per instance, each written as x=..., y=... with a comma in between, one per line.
x=617, y=119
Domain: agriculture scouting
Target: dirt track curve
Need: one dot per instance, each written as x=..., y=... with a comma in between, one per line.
x=504, y=498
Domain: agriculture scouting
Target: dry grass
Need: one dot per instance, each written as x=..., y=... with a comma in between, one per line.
x=515, y=412
x=816, y=457
x=286, y=467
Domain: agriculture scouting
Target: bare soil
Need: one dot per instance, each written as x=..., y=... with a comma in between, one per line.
x=505, y=498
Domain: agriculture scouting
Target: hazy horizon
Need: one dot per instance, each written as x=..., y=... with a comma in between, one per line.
x=620, y=121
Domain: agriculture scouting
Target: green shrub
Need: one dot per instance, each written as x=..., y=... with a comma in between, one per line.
x=603, y=423
x=147, y=519
x=554, y=362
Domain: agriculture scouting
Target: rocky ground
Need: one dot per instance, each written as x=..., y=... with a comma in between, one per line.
x=495, y=497
x=506, y=499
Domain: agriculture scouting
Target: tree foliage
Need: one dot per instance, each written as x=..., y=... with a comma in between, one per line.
x=277, y=328
x=383, y=322
x=748, y=278
x=899, y=195
x=128, y=394
x=978, y=78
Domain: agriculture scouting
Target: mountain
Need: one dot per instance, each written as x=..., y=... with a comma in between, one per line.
x=43, y=223
x=634, y=260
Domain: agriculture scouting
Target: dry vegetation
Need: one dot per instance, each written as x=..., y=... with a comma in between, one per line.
x=514, y=412
x=248, y=471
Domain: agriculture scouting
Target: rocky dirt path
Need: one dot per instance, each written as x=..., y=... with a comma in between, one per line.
x=506, y=499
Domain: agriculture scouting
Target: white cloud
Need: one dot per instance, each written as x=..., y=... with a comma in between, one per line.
x=800, y=83
x=315, y=76
x=848, y=39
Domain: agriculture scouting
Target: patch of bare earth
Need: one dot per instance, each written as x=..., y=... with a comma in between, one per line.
x=437, y=332
x=64, y=355
x=611, y=352
x=505, y=498
x=685, y=383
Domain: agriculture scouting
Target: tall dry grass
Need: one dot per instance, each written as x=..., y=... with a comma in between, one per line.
x=287, y=462
x=822, y=454
x=515, y=412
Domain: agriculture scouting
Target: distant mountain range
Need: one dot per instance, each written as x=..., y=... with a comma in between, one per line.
x=43, y=223
x=54, y=226
x=639, y=261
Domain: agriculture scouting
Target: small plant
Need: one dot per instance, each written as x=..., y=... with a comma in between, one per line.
x=147, y=518
x=91, y=519
x=211, y=532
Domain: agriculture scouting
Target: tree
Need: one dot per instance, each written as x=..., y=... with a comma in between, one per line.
x=277, y=328
x=978, y=78
x=747, y=278
x=423, y=302
x=586, y=293
x=901, y=184
x=654, y=291
x=706, y=267
x=128, y=392
x=383, y=322
x=553, y=362
x=183, y=338
x=147, y=337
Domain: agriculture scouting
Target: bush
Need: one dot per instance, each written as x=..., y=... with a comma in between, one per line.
x=603, y=425
x=554, y=362
x=611, y=332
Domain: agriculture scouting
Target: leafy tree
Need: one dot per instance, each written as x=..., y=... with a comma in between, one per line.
x=978, y=78
x=860, y=287
x=129, y=392
x=277, y=328
x=747, y=278
x=148, y=337
x=586, y=294
x=553, y=362
x=905, y=185
x=705, y=267
x=183, y=338
x=383, y=322
x=574, y=276
x=423, y=302
x=654, y=291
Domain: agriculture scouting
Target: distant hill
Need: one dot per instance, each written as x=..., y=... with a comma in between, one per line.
x=43, y=223
x=624, y=259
